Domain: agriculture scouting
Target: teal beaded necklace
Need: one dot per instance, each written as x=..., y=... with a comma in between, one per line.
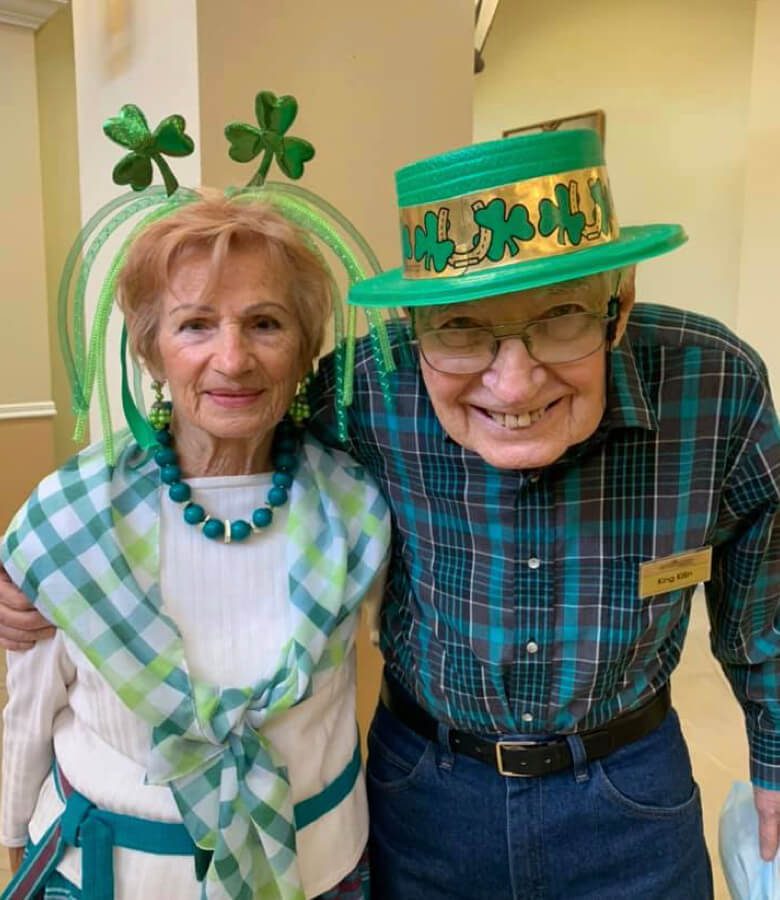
x=284, y=457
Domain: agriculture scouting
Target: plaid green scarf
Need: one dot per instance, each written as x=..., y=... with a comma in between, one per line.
x=84, y=549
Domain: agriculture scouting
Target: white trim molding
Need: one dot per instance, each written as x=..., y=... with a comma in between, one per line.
x=29, y=13
x=41, y=409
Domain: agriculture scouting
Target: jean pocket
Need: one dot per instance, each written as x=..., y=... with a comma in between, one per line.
x=661, y=806
x=397, y=756
x=651, y=776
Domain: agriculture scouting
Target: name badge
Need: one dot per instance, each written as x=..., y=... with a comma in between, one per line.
x=670, y=573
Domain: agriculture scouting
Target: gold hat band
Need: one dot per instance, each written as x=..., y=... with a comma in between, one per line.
x=541, y=217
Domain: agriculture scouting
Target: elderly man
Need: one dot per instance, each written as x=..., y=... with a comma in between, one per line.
x=564, y=468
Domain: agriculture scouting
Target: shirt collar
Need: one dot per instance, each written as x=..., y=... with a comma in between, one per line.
x=627, y=402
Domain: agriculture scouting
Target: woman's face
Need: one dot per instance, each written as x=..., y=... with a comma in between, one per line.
x=232, y=355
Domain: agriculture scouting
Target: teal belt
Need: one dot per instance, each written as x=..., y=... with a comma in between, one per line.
x=98, y=831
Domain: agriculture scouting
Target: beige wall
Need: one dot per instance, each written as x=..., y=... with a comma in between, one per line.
x=60, y=181
x=25, y=443
x=378, y=86
x=674, y=79
x=758, y=314
x=24, y=342
x=26, y=455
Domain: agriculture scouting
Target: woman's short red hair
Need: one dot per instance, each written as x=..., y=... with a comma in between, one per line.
x=219, y=224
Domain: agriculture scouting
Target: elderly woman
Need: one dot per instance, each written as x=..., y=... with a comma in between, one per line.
x=193, y=718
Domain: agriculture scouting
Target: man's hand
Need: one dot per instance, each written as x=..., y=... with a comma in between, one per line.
x=20, y=624
x=768, y=809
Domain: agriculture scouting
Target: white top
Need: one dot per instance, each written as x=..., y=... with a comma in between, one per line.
x=56, y=696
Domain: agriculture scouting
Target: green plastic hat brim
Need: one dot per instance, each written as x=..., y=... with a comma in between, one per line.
x=634, y=244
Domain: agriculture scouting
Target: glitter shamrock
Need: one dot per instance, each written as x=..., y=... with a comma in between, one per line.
x=274, y=117
x=129, y=129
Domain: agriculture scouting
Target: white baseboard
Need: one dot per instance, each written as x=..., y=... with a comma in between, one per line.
x=28, y=13
x=38, y=410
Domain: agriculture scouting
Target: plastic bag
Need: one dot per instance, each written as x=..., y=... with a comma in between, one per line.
x=747, y=875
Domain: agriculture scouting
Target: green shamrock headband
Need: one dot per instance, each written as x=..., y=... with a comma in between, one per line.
x=85, y=358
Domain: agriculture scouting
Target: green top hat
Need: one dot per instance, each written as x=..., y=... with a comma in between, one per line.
x=506, y=216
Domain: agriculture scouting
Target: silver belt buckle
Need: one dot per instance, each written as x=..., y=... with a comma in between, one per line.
x=511, y=745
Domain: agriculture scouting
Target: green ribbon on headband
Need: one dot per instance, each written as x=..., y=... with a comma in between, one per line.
x=139, y=425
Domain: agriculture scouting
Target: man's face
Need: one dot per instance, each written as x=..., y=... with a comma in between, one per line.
x=519, y=413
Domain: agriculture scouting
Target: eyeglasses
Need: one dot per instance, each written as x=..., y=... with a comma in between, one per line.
x=559, y=339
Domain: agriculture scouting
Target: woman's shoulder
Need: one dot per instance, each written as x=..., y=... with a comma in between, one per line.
x=338, y=477
x=92, y=463
x=320, y=457
x=334, y=496
x=57, y=506
x=84, y=475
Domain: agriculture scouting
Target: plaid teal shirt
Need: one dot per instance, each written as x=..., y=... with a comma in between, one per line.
x=513, y=601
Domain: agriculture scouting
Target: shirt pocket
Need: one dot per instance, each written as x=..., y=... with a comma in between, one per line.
x=638, y=633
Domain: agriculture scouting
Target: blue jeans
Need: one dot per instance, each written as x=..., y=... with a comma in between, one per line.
x=448, y=827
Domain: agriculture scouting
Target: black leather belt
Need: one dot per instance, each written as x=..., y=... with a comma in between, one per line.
x=530, y=758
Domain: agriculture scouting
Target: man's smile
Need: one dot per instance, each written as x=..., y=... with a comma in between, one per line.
x=514, y=421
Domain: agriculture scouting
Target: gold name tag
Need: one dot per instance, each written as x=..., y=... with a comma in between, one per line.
x=670, y=573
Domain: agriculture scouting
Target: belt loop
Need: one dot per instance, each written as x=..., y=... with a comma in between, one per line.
x=579, y=758
x=77, y=808
x=97, y=863
x=82, y=827
x=444, y=754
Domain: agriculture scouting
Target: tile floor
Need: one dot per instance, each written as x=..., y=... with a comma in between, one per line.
x=712, y=722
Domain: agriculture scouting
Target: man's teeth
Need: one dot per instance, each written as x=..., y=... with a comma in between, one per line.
x=519, y=420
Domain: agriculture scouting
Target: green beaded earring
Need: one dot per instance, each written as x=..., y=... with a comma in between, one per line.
x=300, y=410
x=160, y=413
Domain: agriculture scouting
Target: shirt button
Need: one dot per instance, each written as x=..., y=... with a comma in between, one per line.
x=532, y=647
x=527, y=717
x=534, y=563
x=533, y=479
